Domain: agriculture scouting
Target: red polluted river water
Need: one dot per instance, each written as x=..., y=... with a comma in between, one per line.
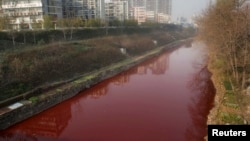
x=166, y=98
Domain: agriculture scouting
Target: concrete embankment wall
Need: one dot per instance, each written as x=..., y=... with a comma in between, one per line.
x=24, y=109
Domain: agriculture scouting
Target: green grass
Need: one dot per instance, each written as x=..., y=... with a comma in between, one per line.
x=227, y=85
x=59, y=90
x=29, y=67
x=231, y=118
x=11, y=90
x=33, y=99
x=230, y=97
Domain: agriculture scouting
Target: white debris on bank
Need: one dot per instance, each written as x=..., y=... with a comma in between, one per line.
x=15, y=106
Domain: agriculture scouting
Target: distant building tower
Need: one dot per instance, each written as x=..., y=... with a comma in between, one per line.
x=139, y=14
x=75, y=8
x=158, y=10
x=165, y=6
x=86, y=9
x=151, y=10
x=164, y=11
x=117, y=10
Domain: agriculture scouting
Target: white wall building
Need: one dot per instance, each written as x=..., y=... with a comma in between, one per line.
x=117, y=10
x=121, y=10
x=25, y=12
x=163, y=18
x=100, y=9
x=150, y=16
x=140, y=14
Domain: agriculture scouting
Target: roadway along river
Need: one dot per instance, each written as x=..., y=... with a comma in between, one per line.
x=166, y=98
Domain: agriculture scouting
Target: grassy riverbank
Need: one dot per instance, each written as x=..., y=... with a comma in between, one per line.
x=227, y=109
x=24, y=69
x=46, y=97
x=229, y=58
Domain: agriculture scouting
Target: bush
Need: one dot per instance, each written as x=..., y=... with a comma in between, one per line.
x=41, y=42
x=26, y=68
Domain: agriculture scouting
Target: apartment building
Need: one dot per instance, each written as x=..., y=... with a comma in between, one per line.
x=25, y=12
x=75, y=8
x=121, y=10
x=109, y=11
x=158, y=10
x=100, y=9
x=117, y=10
x=130, y=4
x=138, y=3
x=152, y=10
x=86, y=9
x=165, y=6
x=164, y=11
x=155, y=10
x=140, y=14
x=163, y=18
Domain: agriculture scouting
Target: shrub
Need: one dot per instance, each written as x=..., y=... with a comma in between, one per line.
x=26, y=68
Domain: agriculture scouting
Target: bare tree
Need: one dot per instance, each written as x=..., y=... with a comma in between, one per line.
x=224, y=26
x=36, y=26
x=48, y=22
x=4, y=21
x=62, y=23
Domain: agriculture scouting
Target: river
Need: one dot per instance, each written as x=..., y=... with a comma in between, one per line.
x=166, y=98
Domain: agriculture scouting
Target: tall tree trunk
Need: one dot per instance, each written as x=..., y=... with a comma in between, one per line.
x=236, y=67
x=64, y=34
x=24, y=37
x=34, y=37
x=13, y=41
x=245, y=63
x=71, y=33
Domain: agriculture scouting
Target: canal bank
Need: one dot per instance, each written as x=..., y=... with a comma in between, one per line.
x=226, y=107
x=143, y=103
x=220, y=91
x=227, y=102
x=34, y=104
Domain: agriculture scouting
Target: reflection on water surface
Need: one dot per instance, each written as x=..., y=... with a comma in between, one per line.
x=166, y=98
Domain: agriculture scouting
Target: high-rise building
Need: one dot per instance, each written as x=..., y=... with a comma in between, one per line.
x=86, y=9
x=164, y=11
x=25, y=12
x=158, y=10
x=138, y=3
x=165, y=6
x=151, y=10
x=130, y=4
x=117, y=10
x=155, y=10
x=100, y=9
x=75, y=8
x=139, y=14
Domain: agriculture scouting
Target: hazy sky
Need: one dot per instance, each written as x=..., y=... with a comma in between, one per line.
x=186, y=8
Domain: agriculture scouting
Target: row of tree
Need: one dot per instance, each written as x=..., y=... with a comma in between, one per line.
x=66, y=25
x=49, y=22
x=225, y=27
